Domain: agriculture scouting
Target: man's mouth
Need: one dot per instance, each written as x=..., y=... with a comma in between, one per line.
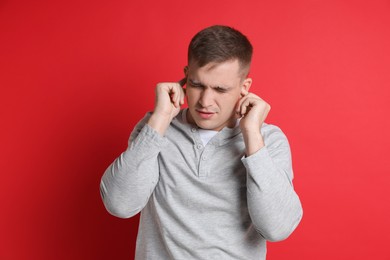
x=205, y=114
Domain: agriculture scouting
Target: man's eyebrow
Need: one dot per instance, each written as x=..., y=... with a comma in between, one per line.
x=195, y=82
x=198, y=83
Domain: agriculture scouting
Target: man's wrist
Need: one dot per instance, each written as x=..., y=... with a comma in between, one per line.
x=159, y=122
x=253, y=141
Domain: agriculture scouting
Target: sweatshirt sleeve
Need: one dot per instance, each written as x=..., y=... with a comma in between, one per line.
x=130, y=180
x=273, y=205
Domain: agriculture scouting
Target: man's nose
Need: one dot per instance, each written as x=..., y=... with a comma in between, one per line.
x=206, y=98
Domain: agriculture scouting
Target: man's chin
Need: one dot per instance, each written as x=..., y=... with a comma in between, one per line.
x=207, y=125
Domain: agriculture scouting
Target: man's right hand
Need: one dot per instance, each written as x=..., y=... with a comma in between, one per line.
x=169, y=98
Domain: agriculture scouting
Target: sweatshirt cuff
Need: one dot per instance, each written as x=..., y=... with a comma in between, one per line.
x=148, y=139
x=260, y=168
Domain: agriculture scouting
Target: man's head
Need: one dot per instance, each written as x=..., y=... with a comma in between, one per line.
x=217, y=44
x=219, y=60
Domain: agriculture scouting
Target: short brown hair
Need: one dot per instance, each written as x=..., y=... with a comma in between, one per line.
x=218, y=44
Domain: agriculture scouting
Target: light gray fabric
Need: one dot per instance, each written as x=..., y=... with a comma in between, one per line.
x=203, y=202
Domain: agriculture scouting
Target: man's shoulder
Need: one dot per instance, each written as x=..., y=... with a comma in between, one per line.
x=272, y=133
x=270, y=128
x=177, y=120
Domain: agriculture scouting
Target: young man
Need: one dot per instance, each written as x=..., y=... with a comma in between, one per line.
x=212, y=181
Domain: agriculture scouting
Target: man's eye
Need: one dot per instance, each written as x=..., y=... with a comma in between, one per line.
x=196, y=85
x=221, y=90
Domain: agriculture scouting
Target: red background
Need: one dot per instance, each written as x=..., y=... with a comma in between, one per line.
x=76, y=76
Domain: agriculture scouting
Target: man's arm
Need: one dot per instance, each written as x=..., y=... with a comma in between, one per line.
x=273, y=205
x=130, y=180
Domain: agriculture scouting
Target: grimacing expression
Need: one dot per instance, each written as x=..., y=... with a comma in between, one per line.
x=213, y=92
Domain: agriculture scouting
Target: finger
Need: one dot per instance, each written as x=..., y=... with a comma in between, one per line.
x=173, y=97
x=246, y=105
x=179, y=95
x=243, y=99
x=176, y=92
x=182, y=82
x=239, y=104
x=243, y=108
x=182, y=96
x=172, y=93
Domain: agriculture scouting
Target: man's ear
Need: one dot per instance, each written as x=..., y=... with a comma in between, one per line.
x=186, y=71
x=245, y=86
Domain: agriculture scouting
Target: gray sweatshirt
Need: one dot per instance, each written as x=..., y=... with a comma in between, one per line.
x=203, y=202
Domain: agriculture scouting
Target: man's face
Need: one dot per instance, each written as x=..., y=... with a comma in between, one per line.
x=213, y=92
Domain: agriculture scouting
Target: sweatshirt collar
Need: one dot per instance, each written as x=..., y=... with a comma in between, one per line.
x=222, y=137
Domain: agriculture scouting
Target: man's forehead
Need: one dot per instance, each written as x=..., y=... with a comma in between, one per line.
x=210, y=81
x=213, y=64
x=232, y=67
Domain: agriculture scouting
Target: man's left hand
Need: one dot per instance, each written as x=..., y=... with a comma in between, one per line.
x=253, y=111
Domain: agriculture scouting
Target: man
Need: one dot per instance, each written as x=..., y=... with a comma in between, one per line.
x=212, y=181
